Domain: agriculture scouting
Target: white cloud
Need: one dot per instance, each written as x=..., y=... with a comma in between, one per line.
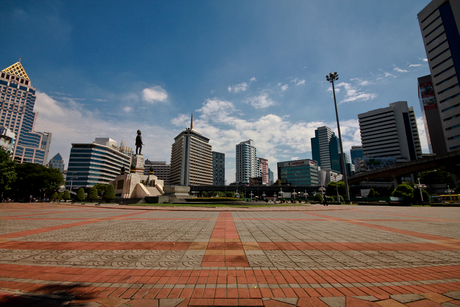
x=253, y=79
x=242, y=87
x=354, y=94
x=298, y=81
x=127, y=109
x=397, y=69
x=415, y=65
x=284, y=87
x=261, y=102
x=155, y=93
x=70, y=123
x=361, y=82
x=183, y=120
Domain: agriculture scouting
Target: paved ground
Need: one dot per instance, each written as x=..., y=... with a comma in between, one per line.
x=56, y=255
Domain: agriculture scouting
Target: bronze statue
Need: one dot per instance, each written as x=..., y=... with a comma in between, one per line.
x=139, y=142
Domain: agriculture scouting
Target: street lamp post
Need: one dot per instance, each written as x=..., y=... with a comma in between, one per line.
x=333, y=76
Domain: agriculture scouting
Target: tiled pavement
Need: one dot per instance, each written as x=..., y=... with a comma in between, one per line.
x=288, y=256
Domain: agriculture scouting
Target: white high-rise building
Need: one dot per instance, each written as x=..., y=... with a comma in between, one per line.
x=440, y=22
x=247, y=164
x=390, y=132
x=17, y=101
x=191, y=159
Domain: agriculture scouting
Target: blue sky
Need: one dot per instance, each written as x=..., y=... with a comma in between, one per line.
x=245, y=69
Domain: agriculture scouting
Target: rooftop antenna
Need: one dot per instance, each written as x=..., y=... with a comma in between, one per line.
x=191, y=123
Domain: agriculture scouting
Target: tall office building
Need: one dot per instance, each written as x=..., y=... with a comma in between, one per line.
x=439, y=22
x=160, y=169
x=97, y=162
x=390, y=133
x=57, y=162
x=17, y=101
x=191, y=159
x=247, y=165
x=325, y=149
x=263, y=169
x=271, y=177
x=218, y=168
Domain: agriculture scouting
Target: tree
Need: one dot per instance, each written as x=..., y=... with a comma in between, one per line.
x=34, y=179
x=81, y=194
x=101, y=188
x=457, y=189
x=405, y=191
x=279, y=182
x=60, y=195
x=54, y=196
x=373, y=193
x=7, y=170
x=436, y=176
x=92, y=195
x=66, y=195
x=416, y=199
x=332, y=187
x=109, y=193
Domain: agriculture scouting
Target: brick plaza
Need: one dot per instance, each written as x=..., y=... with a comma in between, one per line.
x=288, y=256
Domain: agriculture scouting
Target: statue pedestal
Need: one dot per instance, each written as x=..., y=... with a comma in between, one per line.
x=138, y=164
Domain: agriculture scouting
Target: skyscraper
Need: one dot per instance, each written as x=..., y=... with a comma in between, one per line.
x=390, y=132
x=57, y=162
x=247, y=165
x=439, y=22
x=17, y=101
x=325, y=149
x=191, y=159
x=160, y=169
x=218, y=168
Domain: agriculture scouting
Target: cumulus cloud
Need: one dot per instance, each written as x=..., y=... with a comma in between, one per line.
x=415, y=65
x=261, y=102
x=253, y=79
x=242, y=87
x=127, y=109
x=354, y=94
x=153, y=94
x=284, y=87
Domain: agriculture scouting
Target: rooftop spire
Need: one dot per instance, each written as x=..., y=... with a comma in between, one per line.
x=17, y=70
x=191, y=123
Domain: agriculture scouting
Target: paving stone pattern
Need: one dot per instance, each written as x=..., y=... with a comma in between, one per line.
x=291, y=256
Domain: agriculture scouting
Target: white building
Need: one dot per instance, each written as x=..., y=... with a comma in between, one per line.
x=247, y=164
x=191, y=159
x=390, y=132
x=439, y=22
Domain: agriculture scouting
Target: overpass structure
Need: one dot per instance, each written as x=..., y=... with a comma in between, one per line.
x=449, y=162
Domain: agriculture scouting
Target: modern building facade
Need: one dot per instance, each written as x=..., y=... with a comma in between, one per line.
x=299, y=172
x=17, y=101
x=325, y=149
x=271, y=177
x=191, y=159
x=247, y=165
x=160, y=169
x=57, y=162
x=97, y=162
x=390, y=132
x=439, y=23
x=263, y=169
x=218, y=168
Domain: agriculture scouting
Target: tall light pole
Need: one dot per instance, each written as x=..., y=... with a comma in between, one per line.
x=333, y=76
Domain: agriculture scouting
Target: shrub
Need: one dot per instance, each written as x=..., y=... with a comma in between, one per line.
x=318, y=197
x=55, y=196
x=66, y=195
x=81, y=194
x=373, y=193
x=405, y=191
x=92, y=195
x=109, y=193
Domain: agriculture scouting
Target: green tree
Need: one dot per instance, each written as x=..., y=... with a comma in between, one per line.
x=35, y=179
x=405, y=191
x=54, y=196
x=66, y=195
x=101, y=188
x=230, y=194
x=81, y=194
x=436, y=176
x=416, y=199
x=279, y=182
x=204, y=193
x=7, y=170
x=109, y=193
x=457, y=189
x=60, y=195
x=332, y=187
x=92, y=195
x=373, y=193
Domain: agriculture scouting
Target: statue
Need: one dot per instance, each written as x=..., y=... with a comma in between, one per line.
x=139, y=142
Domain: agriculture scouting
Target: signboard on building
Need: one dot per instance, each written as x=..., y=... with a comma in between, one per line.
x=297, y=163
x=427, y=95
x=370, y=164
